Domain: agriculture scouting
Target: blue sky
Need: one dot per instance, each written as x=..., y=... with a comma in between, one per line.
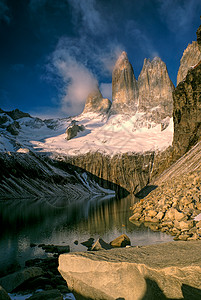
x=52, y=52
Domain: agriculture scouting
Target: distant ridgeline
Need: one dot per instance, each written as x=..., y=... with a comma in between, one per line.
x=130, y=140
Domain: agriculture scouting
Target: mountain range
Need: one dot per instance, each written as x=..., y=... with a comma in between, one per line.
x=128, y=141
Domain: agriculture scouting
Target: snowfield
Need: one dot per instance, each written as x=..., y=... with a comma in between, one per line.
x=116, y=135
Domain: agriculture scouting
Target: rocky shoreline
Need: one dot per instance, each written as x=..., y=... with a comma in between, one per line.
x=39, y=279
x=173, y=206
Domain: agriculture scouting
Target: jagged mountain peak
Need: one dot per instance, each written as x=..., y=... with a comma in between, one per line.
x=156, y=62
x=96, y=103
x=155, y=90
x=124, y=87
x=191, y=57
x=122, y=63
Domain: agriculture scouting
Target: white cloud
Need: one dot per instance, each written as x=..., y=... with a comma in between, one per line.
x=76, y=59
x=179, y=14
x=78, y=80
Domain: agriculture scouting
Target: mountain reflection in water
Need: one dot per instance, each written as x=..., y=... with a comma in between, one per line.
x=59, y=222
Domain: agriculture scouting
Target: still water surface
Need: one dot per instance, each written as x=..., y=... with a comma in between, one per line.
x=61, y=222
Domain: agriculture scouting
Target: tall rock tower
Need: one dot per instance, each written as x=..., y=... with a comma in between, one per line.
x=190, y=58
x=155, y=90
x=124, y=87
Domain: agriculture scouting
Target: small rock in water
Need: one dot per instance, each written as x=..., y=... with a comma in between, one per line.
x=88, y=243
x=32, y=245
x=76, y=242
x=56, y=249
x=121, y=241
x=100, y=245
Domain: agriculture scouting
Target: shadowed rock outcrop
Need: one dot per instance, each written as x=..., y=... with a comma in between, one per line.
x=199, y=37
x=187, y=112
x=130, y=171
x=124, y=87
x=190, y=58
x=155, y=90
x=73, y=129
x=96, y=103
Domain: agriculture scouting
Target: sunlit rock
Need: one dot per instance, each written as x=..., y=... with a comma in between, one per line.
x=124, y=87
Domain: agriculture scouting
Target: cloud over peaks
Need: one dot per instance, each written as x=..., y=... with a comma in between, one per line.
x=78, y=81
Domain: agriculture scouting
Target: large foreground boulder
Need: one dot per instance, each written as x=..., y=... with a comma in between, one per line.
x=163, y=271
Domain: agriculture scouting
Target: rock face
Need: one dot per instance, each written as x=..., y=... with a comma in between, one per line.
x=130, y=171
x=25, y=175
x=173, y=206
x=96, y=103
x=187, y=112
x=190, y=58
x=124, y=87
x=162, y=271
x=155, y=90
x=199, y=37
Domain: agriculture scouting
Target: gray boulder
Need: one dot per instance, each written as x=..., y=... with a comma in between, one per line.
x=73, y=129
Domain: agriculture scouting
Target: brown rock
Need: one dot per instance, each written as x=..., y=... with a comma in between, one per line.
x=121, y=241
x=186, y=225
x=152, y=213
x=100, y=245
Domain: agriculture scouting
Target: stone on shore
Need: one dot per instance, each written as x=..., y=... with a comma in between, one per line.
x=163, y=271
x=100, y=244
x=121, y=241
